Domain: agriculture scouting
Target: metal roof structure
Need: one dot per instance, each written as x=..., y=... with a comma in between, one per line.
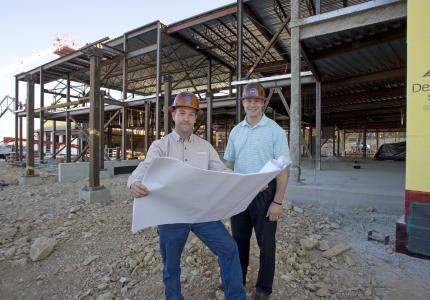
x=356, y=49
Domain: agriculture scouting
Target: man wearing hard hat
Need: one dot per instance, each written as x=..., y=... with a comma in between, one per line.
x=182, y=144
x=251, y=144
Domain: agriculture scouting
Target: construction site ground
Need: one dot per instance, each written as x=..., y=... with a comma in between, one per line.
x=95, y=255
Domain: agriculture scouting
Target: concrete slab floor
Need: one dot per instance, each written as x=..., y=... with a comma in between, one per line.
x=377, y=184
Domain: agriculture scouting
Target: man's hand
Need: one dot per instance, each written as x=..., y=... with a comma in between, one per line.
x=274, y=212
x=138, y=190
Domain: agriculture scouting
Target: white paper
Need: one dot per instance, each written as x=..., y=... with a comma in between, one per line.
x=180, y=193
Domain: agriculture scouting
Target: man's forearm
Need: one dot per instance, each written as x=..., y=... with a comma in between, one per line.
x=281, y=185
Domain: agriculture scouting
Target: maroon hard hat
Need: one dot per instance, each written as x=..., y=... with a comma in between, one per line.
x=254, y=90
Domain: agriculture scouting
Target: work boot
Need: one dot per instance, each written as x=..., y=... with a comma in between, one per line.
x=261, y=296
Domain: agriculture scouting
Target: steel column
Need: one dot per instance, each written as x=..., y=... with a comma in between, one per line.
x=68, y=124
x=41, y=120
x=209, y=84
x=239, y=58
x=16, y=118
x=365, y=141
x=124, y=97
x=295, y=108
x=209, y=127
x=29, y=158
x=158, y=84
x=318, y=125
x=94, y=124
x=54, y=129
x=167, y=80
x=102, y=134
x=147, y=129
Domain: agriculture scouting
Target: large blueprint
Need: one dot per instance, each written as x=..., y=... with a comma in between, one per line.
x=180, y=193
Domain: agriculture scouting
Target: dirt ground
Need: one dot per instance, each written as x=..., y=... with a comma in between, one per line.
x=95, y=255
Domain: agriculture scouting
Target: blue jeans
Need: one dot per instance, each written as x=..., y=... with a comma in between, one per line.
x=216, y=237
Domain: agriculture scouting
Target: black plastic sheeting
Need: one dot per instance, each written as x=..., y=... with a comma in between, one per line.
x=393, y=151
x=418, y=228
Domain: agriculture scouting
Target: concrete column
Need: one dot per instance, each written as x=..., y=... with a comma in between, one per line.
x=239, y=59
x=209, y=127
x=318, y=125
x=29, y=158
x=167, y=80
x=295, y=108
x=16, y=119
x=158, y=84
x=41, y=119
x=94, y=125
x=68, y=125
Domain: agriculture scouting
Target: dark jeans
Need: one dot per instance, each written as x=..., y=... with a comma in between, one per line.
x=216, y=237
x=255, y=217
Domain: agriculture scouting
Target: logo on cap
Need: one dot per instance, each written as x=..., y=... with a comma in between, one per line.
x=187, y=98
x=252, y=91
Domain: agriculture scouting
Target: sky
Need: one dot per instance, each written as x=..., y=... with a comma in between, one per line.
x=28, y=29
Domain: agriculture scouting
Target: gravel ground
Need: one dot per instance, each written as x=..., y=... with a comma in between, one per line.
x=90, y=252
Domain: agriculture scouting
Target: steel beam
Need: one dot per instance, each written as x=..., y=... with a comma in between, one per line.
x=355, y=16
x=203, y=18
x=268, y=46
